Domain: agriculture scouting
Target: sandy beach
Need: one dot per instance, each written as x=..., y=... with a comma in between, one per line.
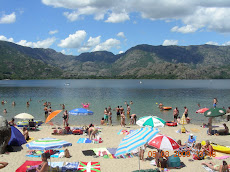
x=112, y=139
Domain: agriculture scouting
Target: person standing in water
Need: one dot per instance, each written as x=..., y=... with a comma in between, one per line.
x=106, y=114
x=175, y=114
x=215, y=101
x=122, y=119
x=65, y=118
x=118, y=111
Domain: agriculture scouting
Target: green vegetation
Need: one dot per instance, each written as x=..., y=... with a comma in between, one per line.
x=139, y=62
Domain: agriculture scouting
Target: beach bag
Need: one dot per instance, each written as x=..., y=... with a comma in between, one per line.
x=67, y=154
x=174, y=161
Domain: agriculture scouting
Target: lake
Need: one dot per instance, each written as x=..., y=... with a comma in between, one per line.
x=145, y=94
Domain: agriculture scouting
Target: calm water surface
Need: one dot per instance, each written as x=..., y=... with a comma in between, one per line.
x=102, y=93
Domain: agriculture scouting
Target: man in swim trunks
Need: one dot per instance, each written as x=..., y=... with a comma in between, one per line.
x=118, y=111
x=175, y=114
x=106, y=114
x=133, y=119
x=121, y=109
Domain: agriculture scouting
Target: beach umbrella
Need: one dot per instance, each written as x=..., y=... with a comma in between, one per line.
x=215, y=112
x=24, y=116
x=47, y=144
x=81, y=112
x=163, y=142
x=202, y=110
x=152, y=121
x=52, y=115
x=136, y=139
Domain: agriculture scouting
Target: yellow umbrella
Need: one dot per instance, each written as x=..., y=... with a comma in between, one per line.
x=183, y=121
x=52, y=115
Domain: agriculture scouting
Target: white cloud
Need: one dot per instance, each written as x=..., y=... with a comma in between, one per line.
x=194, y=14
x=184, y=29
x=3, y=38
x=63, y=51
x=121, y=34
x=170, y=42
x=53, y=32
x=211, y=43
x=117, y=17
x=6, y=19
x=107, y=45
x=92, y=42
x=73, y=41
x=39, y=44
x=120, y=52
x=226, y=43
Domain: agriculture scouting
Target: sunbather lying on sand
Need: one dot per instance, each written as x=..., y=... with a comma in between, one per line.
x=3, y=164
x=220, y=168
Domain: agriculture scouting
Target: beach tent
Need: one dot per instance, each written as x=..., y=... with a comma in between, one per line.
x=17, y=139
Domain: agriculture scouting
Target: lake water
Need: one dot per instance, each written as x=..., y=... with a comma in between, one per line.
x=102, y=93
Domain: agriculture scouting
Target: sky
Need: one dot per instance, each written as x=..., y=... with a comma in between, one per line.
x=77, y=26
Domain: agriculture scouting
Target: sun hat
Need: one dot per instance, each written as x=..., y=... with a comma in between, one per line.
x=191, y=134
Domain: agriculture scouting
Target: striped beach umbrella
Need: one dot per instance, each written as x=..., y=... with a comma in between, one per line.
x=163, y=142
x=81, y=112
x=152, y=121
x=47, y=144
x=135, y=140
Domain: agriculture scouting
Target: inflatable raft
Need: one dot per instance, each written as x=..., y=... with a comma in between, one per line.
x=167, y=108
x=171, y=123
x=219, y=148
x=26, y=123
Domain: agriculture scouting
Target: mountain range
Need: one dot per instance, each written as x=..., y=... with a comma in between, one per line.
x=141, y=61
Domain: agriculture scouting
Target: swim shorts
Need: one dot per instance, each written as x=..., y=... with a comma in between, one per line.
x=106, y=117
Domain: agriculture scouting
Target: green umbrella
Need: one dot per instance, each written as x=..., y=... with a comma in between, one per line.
x=215, y=112
x=152, y=121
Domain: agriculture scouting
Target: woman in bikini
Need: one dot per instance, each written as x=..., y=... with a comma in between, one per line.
x=43, y=167
x=65, y=118
x=220, y=168
x=92, y=131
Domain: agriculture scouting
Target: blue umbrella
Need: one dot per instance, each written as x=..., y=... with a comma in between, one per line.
x=81, y=112
x=135, y=140
x=47, y=144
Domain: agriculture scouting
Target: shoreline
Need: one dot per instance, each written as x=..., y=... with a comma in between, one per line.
x=111, y=140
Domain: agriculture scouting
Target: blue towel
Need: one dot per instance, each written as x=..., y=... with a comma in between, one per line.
x=84, y=140
x=56, y=164
x=56, y=155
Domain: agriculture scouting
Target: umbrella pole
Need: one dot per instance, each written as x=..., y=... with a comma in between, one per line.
x=139, y=158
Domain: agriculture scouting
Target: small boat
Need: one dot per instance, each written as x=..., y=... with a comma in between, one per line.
x=140, y=82
x=219, y=148
x=170, y=123
x=167, y=108
x=67, y=84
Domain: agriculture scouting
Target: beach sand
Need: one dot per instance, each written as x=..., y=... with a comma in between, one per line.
x=112, y=139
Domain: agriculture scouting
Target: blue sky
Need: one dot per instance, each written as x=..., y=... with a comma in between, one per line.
x=77, y=26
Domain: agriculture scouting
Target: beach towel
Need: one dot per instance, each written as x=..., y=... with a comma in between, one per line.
x=126, y=132
x=39, y=153
x=195, y=130
x=27, y=164
x=222, y=157
x=89, y=166
x=84, y=140
x=102, y=152
x=112, y=150
x=56, y=165
x=88, y=152
x=70, y=166
x=208, y=169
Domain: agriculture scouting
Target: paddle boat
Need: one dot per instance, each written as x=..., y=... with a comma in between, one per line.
x=171, y=123
x=26, y=123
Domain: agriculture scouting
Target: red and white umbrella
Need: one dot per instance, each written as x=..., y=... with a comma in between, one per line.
x=163, y=142
x=202, y=110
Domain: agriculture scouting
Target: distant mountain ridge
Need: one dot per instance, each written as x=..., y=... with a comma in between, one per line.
x=141, y=61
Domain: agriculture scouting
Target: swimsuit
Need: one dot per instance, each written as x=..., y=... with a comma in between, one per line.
x=65, y=117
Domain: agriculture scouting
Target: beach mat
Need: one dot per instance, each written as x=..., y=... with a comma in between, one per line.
x=56, y=155
x=84, y=140
x=88, y=152
x=126, y=132
x=27, y=164
x=195, y=130
x=70, y=166
x=89, y=166
x=220, y=156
